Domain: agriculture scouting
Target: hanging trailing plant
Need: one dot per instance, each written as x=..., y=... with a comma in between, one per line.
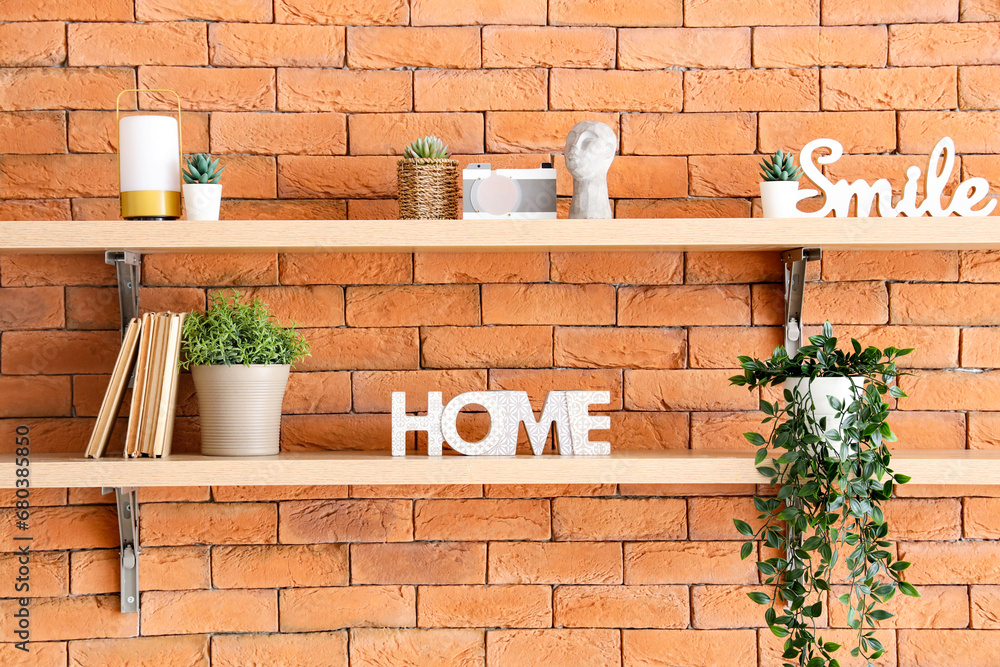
x=832, y=474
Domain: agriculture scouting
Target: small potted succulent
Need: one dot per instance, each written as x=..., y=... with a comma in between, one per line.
x=779, y=191
x=240, y=358
x=202, y=190
x=427, y=180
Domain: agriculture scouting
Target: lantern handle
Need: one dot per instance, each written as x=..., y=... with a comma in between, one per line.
x=118, y=132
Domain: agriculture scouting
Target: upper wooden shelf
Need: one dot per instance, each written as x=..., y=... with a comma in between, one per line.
x=623, y=467
x=502, y=235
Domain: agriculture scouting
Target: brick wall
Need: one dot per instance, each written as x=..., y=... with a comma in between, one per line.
x=309, y=114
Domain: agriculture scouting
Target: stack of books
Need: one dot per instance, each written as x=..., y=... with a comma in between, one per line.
x=151, y=347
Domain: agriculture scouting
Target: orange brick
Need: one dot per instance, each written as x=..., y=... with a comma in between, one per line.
x=413, y=305
x=42, y=176
x=302, y=89
x=169, y=651
x=643, y=268
x=309, y=521
x=512, y=131
x=615, y=90
x=851, y=89
x=927, y=520
x=480, y=90
x=548, y=304
x=701, y=13
x=951, y=562
x=62, y=618
x=729, y=607
x=617, y=13
x=373, y=389
x=361, y=349
x=478, y=12
x=58, y=352
x=342, y=12
x=345, y=268
x=712, y=518
x=251, y=177
x=717, y=347
x=302, y=433
x=979, y=10
x=947, y=648
x=909, y=265
x=680, y=305
x=872, y=167
x=38, y=88
x=841, y=303
x=555, y=563
x=809, y=46
x=97, y=132
x=937, y=607
x=388, y=134
x=39, y=209
x=188, y=612
x=601, y=347
x=979, y=266
x=137, y=44
x=688, y=134
x=583, y=519
x=977, y=87
x=944, y=304
x=37, y=44
x=70, y=10
x=752, y=90
x=724, y=176
x=306, y=650
x=212, y=89
x=584, y=648
x=705, y=48
x=943, y=44
x=685, y=390
x=321, y=176
x=249, y=45
x=31, y=308
x=858, y=132
x=51, y=435
x=490, y=347
x=621, y=606
x=930, y=430
x=981, y=518
x=312, y=609
x=481, y=519
x=537, y=383
x=241, y=270
x=935, y=347
x=183, y=523
x=650, y=430
x=485, y=606
x=968, y=130
x=419, y=648
x=305, y=209
x=418, y=563
x=985, y=606
x=687, y=563
x=476, y=267
x=165, y=568
x=723, y=430
x=979, y=348
x=668, y=647
x=853, y=12
x=771, y=647
x=388, y=47
x=682, y=208
x=525, y=46
x=305, y=134
x=279, y=566
x=48, y=573
x=257, y=11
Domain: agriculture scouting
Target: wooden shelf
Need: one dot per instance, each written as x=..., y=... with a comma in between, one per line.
x=634, y=467
x=506, y=235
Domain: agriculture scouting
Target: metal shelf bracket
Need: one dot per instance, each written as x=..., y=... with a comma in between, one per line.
x=795, y=280
x=128, y=265
x=128, y=531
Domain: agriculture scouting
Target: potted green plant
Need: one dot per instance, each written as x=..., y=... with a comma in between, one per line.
x=240, y=358
x=831, y=471
x=779, y=191
x=202, y=190
x=427, y=182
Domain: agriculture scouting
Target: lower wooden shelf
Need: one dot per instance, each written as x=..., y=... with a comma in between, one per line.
x=949, y=467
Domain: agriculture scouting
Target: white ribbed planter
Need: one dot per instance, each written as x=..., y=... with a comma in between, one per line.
x=240, y=408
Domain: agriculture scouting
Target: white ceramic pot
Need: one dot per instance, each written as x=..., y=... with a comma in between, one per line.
x=240, y=408
x=821, y=389
x=202, y=200
x=779, y=199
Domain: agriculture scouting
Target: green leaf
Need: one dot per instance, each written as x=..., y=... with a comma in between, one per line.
x=743, y=527
x=746, y=550
x=880, y=615
x=759, y=598
x=907, y=588
x=755, y=439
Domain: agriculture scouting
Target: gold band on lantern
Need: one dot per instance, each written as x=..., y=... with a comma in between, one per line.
x=149, y=203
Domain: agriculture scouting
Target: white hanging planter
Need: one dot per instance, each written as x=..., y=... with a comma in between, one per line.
x=821, y=389
x=202, y=200
x=779, y=199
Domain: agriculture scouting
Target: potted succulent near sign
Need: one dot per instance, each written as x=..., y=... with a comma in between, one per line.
x=202, y=190
x=779, y=191
x=831, y=471
x=240, y=358
x=427, y=180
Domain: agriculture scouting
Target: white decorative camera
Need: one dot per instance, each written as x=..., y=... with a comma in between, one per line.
x=496, y=194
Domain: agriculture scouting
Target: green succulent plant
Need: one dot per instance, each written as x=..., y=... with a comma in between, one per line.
x=201, y=168
x=780, y=168
x=427, y=148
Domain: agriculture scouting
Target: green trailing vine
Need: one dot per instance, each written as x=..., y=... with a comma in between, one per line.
x=234, y=331
x=831, y=482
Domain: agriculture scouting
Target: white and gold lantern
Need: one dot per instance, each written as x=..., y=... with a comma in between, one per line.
x=149, y=163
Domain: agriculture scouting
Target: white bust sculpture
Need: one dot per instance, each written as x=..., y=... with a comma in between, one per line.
x=590, y=150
